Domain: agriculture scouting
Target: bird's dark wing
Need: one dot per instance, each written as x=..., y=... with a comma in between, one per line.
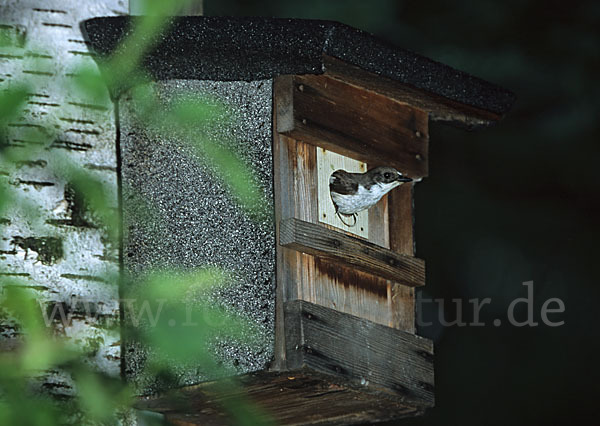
x=342, y=183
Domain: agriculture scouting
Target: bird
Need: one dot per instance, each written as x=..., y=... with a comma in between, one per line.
x=355, y=192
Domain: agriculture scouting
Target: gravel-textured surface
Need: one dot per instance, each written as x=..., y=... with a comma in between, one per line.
x=188, y=219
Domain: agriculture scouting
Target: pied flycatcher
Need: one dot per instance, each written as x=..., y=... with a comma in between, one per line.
x=354, y=192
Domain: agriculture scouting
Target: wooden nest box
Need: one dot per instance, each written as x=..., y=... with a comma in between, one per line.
x=344, y=348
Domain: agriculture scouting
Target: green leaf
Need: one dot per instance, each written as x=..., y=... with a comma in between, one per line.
x=100, y=396
x=12, y=101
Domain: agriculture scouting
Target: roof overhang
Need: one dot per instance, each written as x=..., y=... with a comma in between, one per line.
x=228, y=49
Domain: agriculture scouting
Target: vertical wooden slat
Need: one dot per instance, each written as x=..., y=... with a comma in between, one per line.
x=378, y=214
x=286, y=260
x=402, y=240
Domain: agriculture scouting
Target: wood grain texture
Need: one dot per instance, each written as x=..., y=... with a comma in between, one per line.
x=379, y=232
x=360, y=351
x=303, y=276
x=301, y=397
x=357, y=123
x=283, y=102
x=300, y=275
x=282, y=205
x=351, y=251
x=437, y=107
x=401, y=225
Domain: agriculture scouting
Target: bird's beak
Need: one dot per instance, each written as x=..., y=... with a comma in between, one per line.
x=403, y=178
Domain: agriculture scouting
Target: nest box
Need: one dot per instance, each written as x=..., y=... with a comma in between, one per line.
x=336, y=302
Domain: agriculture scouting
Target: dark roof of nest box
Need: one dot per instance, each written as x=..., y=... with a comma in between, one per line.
x=226, y=49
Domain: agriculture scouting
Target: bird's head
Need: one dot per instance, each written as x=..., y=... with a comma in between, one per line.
x=386, y=176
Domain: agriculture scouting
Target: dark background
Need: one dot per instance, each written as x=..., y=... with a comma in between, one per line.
x=513, y=203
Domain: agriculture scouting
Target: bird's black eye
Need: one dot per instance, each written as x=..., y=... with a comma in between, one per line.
x=387, y=175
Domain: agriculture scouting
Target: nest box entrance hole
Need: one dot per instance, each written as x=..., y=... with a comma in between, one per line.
x=327, y=163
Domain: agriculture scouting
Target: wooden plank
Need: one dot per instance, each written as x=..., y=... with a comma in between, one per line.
x=295, y=196
x=282, y=201
x=401, y=220
x=380, y=234
x=303, y=191
x=357, y=123
x=401, y=225
x=437, y=107
x=378, y=218
x=396, y=210
x=301, y=397
x=283, y=102
x=360, y=351
x=350, y=251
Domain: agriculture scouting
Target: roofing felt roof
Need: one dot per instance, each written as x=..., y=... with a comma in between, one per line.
x=227, y=49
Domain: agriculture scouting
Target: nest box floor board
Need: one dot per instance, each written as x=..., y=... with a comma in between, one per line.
x=190, y=220
x=301, y=397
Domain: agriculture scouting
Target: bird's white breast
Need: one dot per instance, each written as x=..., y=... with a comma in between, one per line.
x=363, y=199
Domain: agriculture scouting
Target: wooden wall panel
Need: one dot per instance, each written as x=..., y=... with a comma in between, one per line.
x=308, y=278
x=323, y=281
x=354, y=122
x=402, y=241
x=360, y=352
